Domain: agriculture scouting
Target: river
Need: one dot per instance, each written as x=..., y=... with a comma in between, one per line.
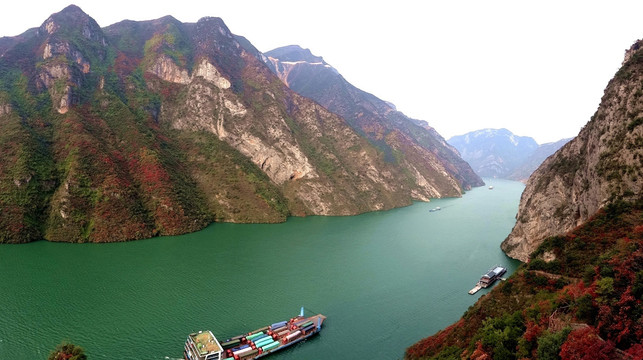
x=384, y=280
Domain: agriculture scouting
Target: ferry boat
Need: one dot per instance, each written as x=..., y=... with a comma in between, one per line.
x=489, y=278
x=203, y=345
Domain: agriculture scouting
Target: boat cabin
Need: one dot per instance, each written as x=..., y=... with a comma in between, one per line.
x=491, y=276
x=203, y=346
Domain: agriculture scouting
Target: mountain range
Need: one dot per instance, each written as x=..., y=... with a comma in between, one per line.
x=500, y=153
x=158, y=127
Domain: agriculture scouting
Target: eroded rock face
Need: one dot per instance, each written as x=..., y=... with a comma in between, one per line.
x=603, y=163
x=5, y=108
x=267, y=133
x=57, y=78
x=167, y=70
x=209, y=107
x=210, y=73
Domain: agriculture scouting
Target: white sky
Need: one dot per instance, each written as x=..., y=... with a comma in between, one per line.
x=537, y=68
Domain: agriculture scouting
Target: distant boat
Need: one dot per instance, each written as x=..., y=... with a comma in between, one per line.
x=435, y=209
x=490, y=187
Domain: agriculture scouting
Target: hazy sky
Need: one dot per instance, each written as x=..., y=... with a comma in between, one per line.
x=537, y=68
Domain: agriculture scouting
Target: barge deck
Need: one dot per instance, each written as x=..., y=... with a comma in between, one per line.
x=255, y=344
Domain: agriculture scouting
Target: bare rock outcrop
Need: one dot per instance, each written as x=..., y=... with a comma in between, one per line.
x=602, y=164
x=64, y=64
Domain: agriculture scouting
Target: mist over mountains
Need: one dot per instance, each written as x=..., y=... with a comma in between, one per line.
x=500, y=153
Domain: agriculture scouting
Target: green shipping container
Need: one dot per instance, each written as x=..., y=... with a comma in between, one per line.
x=271, y=346
x=263, y=342
x=250, y=337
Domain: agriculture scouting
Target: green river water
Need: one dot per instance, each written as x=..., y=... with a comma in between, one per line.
x=384, y=280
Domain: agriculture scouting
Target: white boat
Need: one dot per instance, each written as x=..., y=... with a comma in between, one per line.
x=490, y=187
x=489, y=278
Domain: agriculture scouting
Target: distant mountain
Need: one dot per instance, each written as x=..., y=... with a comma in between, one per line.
x=532, y=163
x=433, y=167
x=494, y=152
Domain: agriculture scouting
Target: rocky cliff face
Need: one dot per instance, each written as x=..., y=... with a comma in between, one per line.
x=66, y=36
x=432, y=168
x=603, y=163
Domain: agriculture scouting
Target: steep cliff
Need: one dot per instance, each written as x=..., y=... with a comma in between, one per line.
x=432, y=167
x=160, y=127
x=603, y=163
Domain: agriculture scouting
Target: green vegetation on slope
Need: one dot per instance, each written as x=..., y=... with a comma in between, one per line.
x=27, y=176
x=579, y=298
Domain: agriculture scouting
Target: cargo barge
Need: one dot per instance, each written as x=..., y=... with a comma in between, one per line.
x=255, y=344
x=489, y=278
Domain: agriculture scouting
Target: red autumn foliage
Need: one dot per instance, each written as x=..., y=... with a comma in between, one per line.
x=124, y=65
x=584, y=344
x=574, y=291
x=533, y=331
x=479, y=353
x=638, y=230
x=433, y=344
x=636, y=351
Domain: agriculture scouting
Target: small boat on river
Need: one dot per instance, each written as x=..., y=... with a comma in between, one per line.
x=255, y=344
x=489, y=278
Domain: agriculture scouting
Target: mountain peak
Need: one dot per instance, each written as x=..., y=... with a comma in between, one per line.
x=294, y=53
x=70, y=20
x=208, y=22
x=73, y=10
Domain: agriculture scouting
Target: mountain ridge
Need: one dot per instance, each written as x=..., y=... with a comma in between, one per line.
x=494, y=152
x=161, y=127
x=500, y=153
x=413, y=144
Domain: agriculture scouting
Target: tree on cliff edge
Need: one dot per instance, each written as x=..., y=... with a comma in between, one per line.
x=67, y=351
